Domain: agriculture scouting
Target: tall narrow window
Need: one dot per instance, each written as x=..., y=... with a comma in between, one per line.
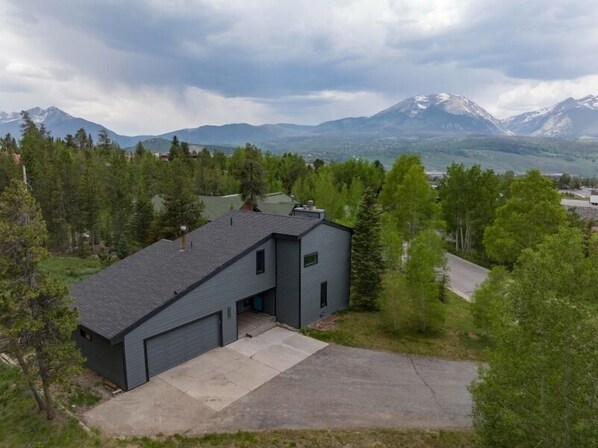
x=323, y=294
x=260, y=262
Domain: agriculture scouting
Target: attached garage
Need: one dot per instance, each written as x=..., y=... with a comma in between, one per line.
x=174, y=347
x=173, y=301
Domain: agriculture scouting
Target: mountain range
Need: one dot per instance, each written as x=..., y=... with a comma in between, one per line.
x=442, y=128
x=421, y=116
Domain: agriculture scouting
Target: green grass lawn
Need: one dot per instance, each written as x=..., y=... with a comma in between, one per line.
x=21, y=425
x=458, y=340
x=71, y=269
x=378, y=438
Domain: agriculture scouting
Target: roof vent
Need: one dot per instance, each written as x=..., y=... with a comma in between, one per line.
x=184, y=238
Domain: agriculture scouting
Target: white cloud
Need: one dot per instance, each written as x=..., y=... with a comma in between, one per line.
x=148, y=110
x=533, y=95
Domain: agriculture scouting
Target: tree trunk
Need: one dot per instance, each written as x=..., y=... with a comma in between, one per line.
x=43, y=373
x=74, y=243
x=30, y=384
x=467, y=245
x=92, y=238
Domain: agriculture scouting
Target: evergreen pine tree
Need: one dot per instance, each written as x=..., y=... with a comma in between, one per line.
x=182, y=207
x=252, y=176
x=367, y=264
x=36, y=313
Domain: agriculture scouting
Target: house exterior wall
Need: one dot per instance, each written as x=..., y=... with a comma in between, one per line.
x=101, y=357
x=235, y=282
x=270, y=302
x=333, y=246
x=287, y=289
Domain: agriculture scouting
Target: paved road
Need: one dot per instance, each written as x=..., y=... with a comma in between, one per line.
x=576, y=203
x=343, y=387
x=465, y=276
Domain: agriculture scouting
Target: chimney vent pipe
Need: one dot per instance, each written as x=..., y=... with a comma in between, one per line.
x=184, y=238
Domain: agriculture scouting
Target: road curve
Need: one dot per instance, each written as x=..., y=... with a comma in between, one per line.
x=465, y=276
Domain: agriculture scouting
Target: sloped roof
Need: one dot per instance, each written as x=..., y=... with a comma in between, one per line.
x=217, y=206
x=114, y=300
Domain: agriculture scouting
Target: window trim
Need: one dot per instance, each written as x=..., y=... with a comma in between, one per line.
x=260, y=254
x=324, y=294
x=305, y=263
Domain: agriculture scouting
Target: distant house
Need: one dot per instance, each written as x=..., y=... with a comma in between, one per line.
x=216, y=206
x=175, y=300
x=588, y=214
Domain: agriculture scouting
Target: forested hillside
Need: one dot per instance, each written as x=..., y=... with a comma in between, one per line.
x=95, y=192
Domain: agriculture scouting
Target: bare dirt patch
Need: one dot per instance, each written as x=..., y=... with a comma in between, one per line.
x=326, y=324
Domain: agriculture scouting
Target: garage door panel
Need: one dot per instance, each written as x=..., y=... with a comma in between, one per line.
x=182, y=344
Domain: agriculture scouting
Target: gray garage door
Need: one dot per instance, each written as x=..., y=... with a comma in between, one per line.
x=177, y=346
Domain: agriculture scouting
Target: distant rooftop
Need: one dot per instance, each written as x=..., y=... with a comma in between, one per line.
x=215, y=206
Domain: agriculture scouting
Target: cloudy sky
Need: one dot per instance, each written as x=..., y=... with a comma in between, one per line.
x=151, y=66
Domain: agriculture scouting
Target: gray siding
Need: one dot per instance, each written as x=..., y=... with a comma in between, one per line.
x=270, y=302
x=334, y=266
x=237, y=281
x=287, y=290
x=101, y=357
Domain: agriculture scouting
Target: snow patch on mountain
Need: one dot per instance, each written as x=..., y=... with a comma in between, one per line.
x=9, y=117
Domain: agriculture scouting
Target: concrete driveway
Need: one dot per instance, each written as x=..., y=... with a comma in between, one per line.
x=260, y=383
x=344, y=387
x=179, y=398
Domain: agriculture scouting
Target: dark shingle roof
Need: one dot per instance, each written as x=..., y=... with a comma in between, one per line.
x=115, y=299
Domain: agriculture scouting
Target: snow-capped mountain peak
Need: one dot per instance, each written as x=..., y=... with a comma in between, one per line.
x=441, y=112
x=454, y=104
x=569, y=118
x=37, y=115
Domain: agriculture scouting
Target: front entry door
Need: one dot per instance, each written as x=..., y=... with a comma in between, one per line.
x=258, y=304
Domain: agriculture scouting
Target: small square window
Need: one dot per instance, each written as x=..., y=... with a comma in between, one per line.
x=323, y=294
x=85, y=334
x=310, y=259
x=260, y=262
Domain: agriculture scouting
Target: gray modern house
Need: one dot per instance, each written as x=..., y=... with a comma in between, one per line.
x=175, y=300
